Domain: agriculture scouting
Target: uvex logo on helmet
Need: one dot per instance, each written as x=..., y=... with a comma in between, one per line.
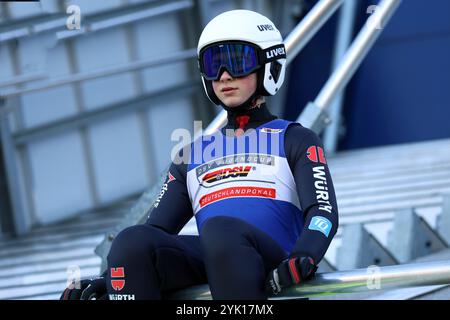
x=265, y=27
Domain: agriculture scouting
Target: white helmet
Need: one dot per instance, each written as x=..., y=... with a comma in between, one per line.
x=235, y=29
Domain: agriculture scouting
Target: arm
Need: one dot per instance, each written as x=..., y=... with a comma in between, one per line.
x=304, y=152
x=172, y=208
x=315, y=191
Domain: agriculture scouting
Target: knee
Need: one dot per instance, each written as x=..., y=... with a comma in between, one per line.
x=135, y=241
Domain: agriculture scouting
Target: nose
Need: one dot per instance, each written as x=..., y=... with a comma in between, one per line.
x=225, y=76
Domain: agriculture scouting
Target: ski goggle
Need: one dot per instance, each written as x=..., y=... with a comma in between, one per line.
x=239, y=59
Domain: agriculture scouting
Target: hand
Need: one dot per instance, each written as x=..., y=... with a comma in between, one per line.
x=290, y=272
x=90, y=289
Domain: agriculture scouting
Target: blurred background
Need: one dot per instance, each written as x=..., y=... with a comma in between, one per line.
x=90, y=92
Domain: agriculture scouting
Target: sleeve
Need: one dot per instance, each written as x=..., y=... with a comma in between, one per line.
x=306, y=158
x=172, y=208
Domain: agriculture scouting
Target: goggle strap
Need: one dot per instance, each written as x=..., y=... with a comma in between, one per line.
x=273, y=53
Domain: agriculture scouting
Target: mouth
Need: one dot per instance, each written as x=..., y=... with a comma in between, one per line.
x=228, y=89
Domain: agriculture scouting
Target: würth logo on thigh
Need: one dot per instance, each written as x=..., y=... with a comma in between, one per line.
x=117, y=284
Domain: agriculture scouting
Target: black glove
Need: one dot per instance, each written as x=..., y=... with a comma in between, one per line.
x=290, y=272
x=90, y=289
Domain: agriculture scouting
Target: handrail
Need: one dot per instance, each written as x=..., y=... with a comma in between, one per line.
x=357, y=52
x=22, y=79
x=314, y=116
x=344, y=36
x=133, y=16
x=297, y=39
x=106, y=71
x=352, y=281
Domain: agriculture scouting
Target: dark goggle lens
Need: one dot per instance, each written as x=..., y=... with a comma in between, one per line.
x=238, y=59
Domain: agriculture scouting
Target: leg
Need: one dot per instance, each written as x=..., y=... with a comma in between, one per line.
x=238, y=258
x=154, y=262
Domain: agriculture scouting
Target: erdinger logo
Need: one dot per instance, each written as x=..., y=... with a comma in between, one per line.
x=117, y=284
x=316, y=154
x=222, y=174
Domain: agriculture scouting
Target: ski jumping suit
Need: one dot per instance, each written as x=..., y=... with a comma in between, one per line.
x=255, y=205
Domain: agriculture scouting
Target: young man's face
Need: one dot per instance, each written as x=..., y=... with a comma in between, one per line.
x=234, y=91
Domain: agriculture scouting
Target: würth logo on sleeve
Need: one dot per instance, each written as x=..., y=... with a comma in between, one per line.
x=321, y=185
x=117, y=284
x=316, y=154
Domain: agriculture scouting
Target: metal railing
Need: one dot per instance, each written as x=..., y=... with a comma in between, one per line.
x=136, y=14
x=314, y=116
x=344, y=35
x=103, y=72
x=93, y=22
x=353, y=281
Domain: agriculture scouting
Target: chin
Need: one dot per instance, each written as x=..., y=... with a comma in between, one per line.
x=232, y=103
